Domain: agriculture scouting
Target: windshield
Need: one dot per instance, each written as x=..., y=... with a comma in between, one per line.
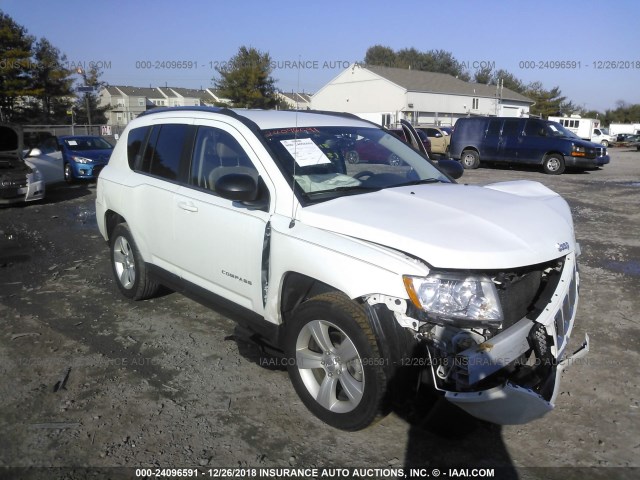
x=329, y=162
x=87, y=143
x=558, y=130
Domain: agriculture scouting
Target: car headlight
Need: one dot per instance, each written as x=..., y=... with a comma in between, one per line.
x=460, y=299
x=577, y=151
x=81, y=159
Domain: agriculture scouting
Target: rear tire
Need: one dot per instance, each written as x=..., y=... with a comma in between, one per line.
x=334, y=362
x=128, y=266
x=470, y=159
x=553, y=164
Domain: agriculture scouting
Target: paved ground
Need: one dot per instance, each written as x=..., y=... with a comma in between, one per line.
x=169, y=383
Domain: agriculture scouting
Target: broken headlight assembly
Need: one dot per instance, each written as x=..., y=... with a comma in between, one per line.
x=459, y=299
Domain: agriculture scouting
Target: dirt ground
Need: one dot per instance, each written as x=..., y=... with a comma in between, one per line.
x=90, y=379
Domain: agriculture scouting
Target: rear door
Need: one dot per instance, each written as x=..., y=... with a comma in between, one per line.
x=162, y=168
x=509, y=146
x=490, y=145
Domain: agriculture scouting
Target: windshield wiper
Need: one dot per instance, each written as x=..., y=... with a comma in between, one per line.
x=422, y=181
x=352, y=188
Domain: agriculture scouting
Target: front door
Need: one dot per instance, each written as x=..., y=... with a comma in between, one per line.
x=221, y=241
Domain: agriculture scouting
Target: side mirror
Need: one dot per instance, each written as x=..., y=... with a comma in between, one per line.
x=237, y=186
x=451, y=167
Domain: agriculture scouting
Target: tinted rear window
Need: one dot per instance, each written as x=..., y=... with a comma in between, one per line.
x=166, y=159
x=164, y=150
x=510, y=127
x=494, y=127
x=135, y=143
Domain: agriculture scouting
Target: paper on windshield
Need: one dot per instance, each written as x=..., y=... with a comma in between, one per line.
x=305, y=152
x=73, y=143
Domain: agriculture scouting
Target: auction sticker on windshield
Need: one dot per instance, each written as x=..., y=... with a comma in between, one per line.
x=305, y=152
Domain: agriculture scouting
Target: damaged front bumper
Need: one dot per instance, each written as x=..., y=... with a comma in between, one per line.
x=514, y=376
x=511, y=404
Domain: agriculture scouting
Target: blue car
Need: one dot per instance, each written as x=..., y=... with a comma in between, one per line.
x=81, y=156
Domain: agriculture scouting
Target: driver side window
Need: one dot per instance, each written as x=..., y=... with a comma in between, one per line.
x=217, y=153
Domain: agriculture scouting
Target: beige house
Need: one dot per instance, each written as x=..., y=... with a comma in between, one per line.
x=126, y=103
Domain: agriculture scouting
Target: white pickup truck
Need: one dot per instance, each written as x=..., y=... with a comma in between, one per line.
x=364, y=275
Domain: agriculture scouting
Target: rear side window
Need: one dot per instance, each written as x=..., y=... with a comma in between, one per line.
x=510, y=127
x=494, y=127
x=135, y=143
x=165, y=149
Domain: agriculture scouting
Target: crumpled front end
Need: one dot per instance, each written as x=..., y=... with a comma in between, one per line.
x=512, y=375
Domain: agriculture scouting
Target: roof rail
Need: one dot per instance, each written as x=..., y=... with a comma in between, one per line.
x=185, y=108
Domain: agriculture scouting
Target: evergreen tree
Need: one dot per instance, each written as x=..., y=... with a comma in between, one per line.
x=439, y=61
x=15, y=62
x=246, y=80
x=51, y=84
x=548, y=102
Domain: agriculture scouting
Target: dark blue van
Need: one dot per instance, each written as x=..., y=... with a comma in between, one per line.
x=523, y=140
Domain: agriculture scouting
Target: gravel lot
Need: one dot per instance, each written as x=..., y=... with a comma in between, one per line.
x=169, y=383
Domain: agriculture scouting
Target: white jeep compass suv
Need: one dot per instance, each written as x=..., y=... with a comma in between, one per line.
x=360, y=273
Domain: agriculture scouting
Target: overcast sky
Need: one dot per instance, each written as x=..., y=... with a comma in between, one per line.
x=143, y=43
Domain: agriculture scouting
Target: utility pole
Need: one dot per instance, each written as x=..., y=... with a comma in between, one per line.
x=86, y=89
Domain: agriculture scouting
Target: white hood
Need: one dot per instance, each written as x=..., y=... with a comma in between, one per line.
x=503, y=225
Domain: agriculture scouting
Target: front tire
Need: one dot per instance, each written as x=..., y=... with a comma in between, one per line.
x=470, y=159
x=128, y=267
x=68, y=174
x=334, y=363
x=553, y=164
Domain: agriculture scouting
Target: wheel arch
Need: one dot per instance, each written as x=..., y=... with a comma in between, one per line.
x=552, y=152
x=469, y=147
x=394, y=341
x=297, y=288
x=112, y=220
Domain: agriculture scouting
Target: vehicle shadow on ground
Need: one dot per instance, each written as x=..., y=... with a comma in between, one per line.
x=441, y=435
x=63, y=192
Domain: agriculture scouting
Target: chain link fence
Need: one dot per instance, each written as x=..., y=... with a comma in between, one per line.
x=35, y=134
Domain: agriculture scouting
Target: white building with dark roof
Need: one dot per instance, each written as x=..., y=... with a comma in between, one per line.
x=387, y=95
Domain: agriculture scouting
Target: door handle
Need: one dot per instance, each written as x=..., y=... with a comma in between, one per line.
x=188, y=206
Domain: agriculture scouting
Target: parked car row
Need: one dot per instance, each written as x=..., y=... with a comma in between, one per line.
x=628, y=140
x=26, y=173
